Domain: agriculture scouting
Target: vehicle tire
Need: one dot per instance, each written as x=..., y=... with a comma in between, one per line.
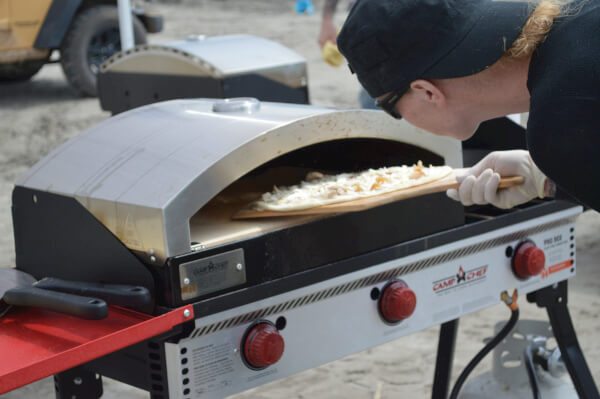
x=20, y=71
x=92, y=38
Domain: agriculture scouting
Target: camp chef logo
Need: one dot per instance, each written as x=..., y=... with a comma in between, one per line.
x=462, y=278
x=211, y=267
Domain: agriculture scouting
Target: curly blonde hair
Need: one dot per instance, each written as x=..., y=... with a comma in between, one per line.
x=537, y=27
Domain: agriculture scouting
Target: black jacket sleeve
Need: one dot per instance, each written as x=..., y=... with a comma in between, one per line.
x=563, y=137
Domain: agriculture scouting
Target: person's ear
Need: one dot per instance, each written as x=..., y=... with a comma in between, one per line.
x=426, y=91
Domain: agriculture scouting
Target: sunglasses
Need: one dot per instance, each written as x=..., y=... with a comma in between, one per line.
x=388, y=104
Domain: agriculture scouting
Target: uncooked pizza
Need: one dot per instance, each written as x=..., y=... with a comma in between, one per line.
x=319, y=189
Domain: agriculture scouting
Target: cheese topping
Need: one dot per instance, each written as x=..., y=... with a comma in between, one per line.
x=319, y=189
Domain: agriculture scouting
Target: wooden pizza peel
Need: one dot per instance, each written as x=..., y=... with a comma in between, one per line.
x=361, y=204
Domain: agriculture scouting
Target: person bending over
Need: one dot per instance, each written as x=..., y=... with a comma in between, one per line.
x=448, y=65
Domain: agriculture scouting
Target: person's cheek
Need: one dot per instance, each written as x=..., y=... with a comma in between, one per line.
x=465, y=128
x=455, y=126
x=410, y=113
x=422, y=120
x=423, y=117
x=437, y=123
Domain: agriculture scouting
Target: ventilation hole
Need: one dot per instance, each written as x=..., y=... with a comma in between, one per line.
x=295, y=302
x=278, y=308
x=509, y=251
x=263, y=313
x=186, y=381
x=184, y=360
x=228, y=324
x=321, y=295
x=153, y=345
x=185, y=371
x=339, y=289
x=186, y=391
x=218, y=326
x=202, y=330
x=155, y=367
x=183, y=351
x=210, y=328
x=303, y=301
x=157, y=387
x=268, y=311
x=154, y=356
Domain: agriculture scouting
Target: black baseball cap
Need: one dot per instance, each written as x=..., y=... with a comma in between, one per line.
x=391, y=43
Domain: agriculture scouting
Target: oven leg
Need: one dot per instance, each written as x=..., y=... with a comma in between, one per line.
x=445, y=358
x=554, y=299
x=78, y=382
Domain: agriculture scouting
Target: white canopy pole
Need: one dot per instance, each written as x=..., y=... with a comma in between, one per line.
x=125, y=24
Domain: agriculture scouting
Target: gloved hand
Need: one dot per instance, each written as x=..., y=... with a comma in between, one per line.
x=332, y=55
x=479, y=185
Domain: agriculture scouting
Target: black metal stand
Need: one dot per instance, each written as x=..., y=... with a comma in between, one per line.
x=78, y=383
x=554, y=299
x=444, y=360
x=142, y=365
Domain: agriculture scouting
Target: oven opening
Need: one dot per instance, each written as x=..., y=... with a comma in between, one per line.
x=212, y=225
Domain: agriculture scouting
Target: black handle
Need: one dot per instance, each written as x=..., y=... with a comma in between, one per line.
x=115, y=294
x=80, y=306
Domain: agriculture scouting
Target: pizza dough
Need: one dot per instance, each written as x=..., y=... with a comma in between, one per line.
x=318, y=189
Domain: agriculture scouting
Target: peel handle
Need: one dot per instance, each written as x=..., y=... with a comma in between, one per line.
x=74, y=305
x=505, y=182
x=129, y=296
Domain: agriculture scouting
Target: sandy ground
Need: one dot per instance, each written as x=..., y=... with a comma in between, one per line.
x=38, y=115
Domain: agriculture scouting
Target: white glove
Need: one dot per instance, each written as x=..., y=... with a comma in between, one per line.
x=479, y=185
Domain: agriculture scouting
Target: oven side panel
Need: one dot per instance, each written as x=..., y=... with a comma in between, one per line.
x=55, y=236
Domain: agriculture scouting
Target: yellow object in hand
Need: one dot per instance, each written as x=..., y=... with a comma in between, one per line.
x=332, y=55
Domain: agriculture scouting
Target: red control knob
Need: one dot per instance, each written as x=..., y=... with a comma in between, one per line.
x=397, y=302
x=528, y=260
x=263, y=345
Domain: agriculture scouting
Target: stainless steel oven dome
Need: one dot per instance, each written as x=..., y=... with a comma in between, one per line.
x=144, y=173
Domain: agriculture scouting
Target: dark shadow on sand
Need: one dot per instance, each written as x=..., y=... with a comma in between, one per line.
x=35, y=92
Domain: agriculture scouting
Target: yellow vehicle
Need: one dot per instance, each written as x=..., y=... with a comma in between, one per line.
x=85, y=33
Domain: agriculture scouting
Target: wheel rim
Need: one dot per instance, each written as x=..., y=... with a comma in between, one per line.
x=102, y=46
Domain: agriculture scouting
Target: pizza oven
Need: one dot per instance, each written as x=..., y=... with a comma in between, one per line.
x=163, y=182
x=146, y=198
x=200, y=66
